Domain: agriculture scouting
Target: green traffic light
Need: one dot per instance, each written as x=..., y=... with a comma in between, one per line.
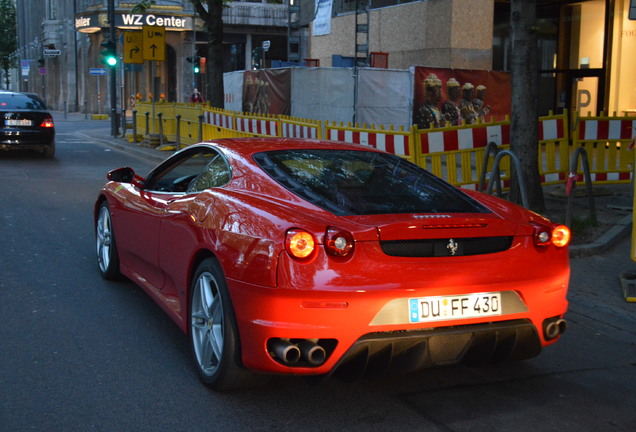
x=111, y=61
x=196, y=69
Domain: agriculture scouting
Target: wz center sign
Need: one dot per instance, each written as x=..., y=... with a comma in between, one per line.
x=140, y=20
x=91, y=23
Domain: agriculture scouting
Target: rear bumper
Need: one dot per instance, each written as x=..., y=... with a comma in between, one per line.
x=25, y=147
x=378, y=354
x=26, y=140
x=343, y=324
x=358, y=312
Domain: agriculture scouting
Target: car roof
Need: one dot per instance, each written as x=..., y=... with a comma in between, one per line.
x=250, y=146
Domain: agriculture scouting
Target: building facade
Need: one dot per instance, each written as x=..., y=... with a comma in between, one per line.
x=584, y=46
x=60, y=49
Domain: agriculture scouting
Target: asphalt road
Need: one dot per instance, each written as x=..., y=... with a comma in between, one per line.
x=78, y=353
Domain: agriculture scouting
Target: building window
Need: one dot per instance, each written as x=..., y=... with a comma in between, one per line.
x=344, y=6
x=52, y=9
x=622, y=98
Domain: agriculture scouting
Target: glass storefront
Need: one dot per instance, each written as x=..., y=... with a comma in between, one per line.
x=622, y=93
x=572, y=57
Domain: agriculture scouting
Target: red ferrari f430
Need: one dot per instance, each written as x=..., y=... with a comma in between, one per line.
x=307, y=257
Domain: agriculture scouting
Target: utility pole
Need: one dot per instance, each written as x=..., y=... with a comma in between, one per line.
x=113, y=73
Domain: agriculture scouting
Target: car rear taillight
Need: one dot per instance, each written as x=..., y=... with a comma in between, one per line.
x=47, y=122
x=558, y=235
x=299, y=243
x=561, y=235
x=338, y=242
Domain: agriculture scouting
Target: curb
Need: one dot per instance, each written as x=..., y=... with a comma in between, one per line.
x=123, y=145
x=606, y=241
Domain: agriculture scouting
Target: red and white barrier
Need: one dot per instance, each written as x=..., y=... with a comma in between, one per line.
x=592, y=130
x=397, y=144
x=291, y=130
x=218, y=119
x=257, y=126
x=552, y=129
x=464, y=139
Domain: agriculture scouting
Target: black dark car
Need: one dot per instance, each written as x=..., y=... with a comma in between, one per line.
x=26, y=124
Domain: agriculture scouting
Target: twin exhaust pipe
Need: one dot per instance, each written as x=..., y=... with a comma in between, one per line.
x=553, y=328
x=296, y=352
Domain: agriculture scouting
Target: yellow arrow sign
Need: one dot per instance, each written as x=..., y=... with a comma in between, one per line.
x=133, y=45
x=154, y=43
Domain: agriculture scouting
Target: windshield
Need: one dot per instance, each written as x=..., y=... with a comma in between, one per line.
x=350, y=182
x=19, y=101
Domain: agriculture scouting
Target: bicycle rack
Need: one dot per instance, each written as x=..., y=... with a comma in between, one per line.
x=588, y=182
x=177, y=146
x=495, y=176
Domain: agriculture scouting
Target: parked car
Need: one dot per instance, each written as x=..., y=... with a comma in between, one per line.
x=26, y=124
x=306, y=257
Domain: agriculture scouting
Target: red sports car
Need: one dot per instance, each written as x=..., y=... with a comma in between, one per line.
x=309, y=257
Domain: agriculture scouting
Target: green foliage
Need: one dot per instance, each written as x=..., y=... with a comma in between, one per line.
x=142, y=6
x=8, y=37
x=581, y=224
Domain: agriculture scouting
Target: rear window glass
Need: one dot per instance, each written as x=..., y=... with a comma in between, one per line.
x=353, y=182
x=21, y=101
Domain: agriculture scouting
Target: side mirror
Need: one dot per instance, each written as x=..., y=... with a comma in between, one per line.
x=123, y=175
x=126, y=175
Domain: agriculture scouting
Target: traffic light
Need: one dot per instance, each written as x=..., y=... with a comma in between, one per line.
x=196, y=63
x=109, y=52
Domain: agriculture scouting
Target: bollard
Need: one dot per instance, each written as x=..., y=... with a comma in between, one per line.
x=160, y=115
x=85, y=110
x=134, y=125
x=123, y=122
x=200, y=127
x=178, y=137
x=147, y=123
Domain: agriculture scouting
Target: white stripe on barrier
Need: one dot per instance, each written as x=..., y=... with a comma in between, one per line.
x=380, y=142
x=591, y=129
x=550, y=129
x=435, y=142
x=614, y=129
x=364, y=138
x=552, y=177
x=465, y=139
x=495, y=134
x=400, y=144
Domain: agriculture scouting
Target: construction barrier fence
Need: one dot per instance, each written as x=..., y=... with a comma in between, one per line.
x=456, y=153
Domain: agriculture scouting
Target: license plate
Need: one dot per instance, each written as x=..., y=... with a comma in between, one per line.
x=18, y=122
x=442, y=308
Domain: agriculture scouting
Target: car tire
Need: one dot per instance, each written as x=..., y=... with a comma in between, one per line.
x=107, y=255
x=49, y=151
x=213, y=332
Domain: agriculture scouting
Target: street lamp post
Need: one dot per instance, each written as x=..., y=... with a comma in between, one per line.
x=113, y=73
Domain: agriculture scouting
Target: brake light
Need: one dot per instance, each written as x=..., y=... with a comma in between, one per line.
x=338, y=242
x=558, y=235
x=47, y=122
x=299, y=243
x=561, y=235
